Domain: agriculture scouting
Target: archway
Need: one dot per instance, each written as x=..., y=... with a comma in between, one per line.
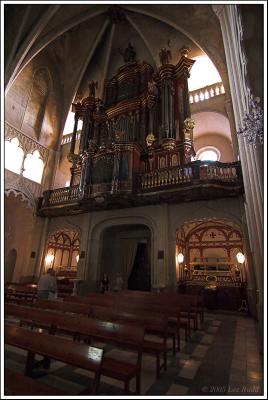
x=10, y=263
x=127, y=249
x=62, y=253
x=210, y=247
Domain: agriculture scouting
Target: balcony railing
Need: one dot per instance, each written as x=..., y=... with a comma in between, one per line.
x=206, y=92
x=195, y=174
x=201, y=171
x=68, y=138
x=60, y=196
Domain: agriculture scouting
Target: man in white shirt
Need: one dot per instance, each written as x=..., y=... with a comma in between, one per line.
x=47, y=285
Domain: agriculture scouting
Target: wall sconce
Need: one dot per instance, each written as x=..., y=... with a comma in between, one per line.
x=240, y=257
x=49, y=259
x=180, y=258
x=77, y=258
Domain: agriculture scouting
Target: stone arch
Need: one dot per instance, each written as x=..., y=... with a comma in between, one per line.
x=95, y=245
x=73, y=233
x=25, y=195
x=197, y=240
x=64, y=226
x=206, y=212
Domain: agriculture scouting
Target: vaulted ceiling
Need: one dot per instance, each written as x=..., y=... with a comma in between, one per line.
x=83, y=42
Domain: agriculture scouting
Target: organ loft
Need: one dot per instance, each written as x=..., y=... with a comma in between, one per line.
x=137, y=141
x=142, y=125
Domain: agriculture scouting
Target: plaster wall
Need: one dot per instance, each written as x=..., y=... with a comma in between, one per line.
x=22, y=233
x=162, y=221
x=218, y=141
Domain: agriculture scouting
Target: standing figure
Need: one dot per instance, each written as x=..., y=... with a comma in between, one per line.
x=92, y=88
x=105, y=283
x=47, y=285
x=118, y=283
x=164, y=55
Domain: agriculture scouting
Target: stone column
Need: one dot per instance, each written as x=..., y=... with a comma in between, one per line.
x=251, y=162
x=76, y=118
x=230, y=114
x=41, y=250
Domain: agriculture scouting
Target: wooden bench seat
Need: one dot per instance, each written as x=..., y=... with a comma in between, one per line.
x=58, y=305
x=57, y=348
x=16, y=384
x=152, y=303
x=155, y=324
x=119, y=335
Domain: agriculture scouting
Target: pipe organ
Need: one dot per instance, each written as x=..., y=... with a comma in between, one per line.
x=142, y=124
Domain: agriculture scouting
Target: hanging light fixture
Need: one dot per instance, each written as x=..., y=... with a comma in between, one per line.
x=240, y=257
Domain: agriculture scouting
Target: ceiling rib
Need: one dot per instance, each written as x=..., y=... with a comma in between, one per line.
x=134, y=25
x=54, y=34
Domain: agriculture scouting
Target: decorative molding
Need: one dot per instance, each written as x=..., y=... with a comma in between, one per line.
x=28, y=145
x=252, y=128
x=18, y=187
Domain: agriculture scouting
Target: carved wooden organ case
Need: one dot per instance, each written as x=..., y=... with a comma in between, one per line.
x=142, y=124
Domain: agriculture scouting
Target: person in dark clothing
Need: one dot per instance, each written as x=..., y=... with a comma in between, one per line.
x=105, y=283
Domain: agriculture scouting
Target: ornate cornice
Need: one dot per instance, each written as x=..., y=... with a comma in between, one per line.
x=28, y=145
x=19, y=185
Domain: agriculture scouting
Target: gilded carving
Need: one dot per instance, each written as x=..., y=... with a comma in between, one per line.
x=189, y=124
x=150, y=139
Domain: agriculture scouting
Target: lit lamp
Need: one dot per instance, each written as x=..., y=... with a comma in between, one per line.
x=180, y=258
x=241, y=259
x=49, y=260
x=77, y=258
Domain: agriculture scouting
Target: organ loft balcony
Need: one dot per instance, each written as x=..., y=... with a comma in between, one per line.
x=136, y=147
x=199, y=180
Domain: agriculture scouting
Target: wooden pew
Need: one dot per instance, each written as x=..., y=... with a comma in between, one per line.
x=18, y=292
x=57, y=348
x=149, y=304
x=153, y=324
x=184, y=304
x=119, y=335
x=156, y=324
x=196, y=301
x=16, y=384
x=57, y=305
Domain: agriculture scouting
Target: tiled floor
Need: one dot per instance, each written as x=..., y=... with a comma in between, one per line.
x=222, y=359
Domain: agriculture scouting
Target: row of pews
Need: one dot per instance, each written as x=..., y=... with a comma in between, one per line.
x=122, y=320
x=27, y=292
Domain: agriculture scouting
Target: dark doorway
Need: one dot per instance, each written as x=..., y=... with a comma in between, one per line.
x=140, y=277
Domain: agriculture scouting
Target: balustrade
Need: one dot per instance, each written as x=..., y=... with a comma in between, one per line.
x=68, y=138
x=164, y=177
x=62, y=195
x=196, y=173
x=206, y=92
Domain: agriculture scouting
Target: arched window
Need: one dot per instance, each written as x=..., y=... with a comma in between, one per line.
x=203, y=73
x=208, y=153
x=33, y=167
x=13, y=155
x=63, y=252
x=69, y=124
